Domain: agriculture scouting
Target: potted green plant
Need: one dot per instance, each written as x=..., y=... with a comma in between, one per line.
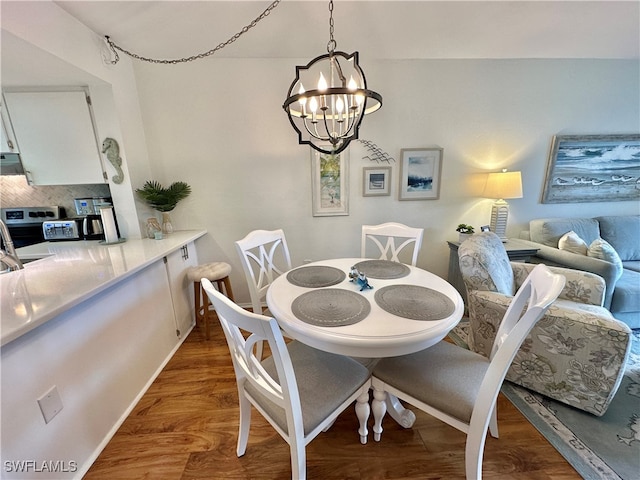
x=164, y=199
x=464, y=232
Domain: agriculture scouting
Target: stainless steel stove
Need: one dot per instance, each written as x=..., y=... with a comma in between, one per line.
x=25, y=223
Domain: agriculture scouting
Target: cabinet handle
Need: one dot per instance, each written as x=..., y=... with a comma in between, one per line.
x=185, y=252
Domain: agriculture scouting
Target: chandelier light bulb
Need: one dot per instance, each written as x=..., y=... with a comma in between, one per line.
x=352, y=85
x=322, y=83
x=313, y=105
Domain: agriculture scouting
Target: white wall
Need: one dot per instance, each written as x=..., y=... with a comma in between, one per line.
x=218, y=124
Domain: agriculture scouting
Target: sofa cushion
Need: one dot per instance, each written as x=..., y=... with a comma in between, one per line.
x=622, y=233
x=603, y=250
x=632, y=265
x=626, y=296
x=549, y=230
x=571, y=242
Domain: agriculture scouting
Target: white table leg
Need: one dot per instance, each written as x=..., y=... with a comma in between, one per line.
x=406, y=418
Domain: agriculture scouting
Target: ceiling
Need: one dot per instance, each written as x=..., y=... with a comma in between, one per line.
x=378, y=29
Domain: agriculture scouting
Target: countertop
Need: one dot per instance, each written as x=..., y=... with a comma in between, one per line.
x=71, y=273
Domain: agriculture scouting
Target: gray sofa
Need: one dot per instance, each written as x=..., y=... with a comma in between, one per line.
x=622, y=293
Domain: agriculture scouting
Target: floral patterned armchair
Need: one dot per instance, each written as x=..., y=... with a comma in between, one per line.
x=575, y=354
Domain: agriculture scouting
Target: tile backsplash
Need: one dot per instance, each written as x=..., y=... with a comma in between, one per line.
x=16, y=192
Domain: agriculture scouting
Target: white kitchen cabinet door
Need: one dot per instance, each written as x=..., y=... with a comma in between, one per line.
x=7, y=140
x=182, y=289
x=55, y=136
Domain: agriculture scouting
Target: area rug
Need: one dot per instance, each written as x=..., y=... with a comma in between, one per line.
x=606, y=447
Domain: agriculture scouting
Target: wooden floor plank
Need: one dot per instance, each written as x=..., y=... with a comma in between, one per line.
x=185, y=428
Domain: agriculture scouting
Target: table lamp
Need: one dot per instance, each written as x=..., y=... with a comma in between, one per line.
x=502, y=185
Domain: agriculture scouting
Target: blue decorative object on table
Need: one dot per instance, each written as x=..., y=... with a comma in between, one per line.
x=363, y=281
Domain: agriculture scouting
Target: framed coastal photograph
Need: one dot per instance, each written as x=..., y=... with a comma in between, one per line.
x=376, y=181
x=593, y=168
x=330, y=183
x=420, y=173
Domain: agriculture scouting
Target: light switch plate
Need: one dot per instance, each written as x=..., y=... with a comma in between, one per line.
x=50, y=404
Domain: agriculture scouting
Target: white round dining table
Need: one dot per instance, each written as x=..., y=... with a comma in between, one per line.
x=380, y=333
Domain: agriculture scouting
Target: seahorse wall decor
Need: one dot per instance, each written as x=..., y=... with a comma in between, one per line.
x=112, y=149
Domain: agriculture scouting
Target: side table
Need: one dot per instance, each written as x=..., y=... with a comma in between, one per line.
x=517, y=252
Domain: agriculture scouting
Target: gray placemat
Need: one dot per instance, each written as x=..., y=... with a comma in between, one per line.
x=316, y=276
x=414, y=302
x=331, y=307
x=382, y=269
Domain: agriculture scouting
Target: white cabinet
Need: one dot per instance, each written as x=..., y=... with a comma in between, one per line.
x=55, y=135
x=177, y=263
x=7, y=139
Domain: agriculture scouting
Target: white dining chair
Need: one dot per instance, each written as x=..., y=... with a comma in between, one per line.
x=264, y=255
x=391, y=238
x=460, y=387
x=299, y=390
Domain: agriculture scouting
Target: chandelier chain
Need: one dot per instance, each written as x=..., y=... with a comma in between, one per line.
x=331, y=46
x=175, y=61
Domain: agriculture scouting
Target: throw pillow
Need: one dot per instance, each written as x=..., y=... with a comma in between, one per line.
x=571, y=242
x=603, y=250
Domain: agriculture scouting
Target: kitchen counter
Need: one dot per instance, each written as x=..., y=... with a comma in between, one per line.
x=68, y=273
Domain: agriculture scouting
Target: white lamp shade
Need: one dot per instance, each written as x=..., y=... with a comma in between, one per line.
x=503, y=185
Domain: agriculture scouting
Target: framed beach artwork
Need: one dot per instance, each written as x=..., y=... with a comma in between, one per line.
x=420, y=173
x=330, y=183
x=593, y=168
x=376, y=181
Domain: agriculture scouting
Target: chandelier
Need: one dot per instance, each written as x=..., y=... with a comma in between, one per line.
x=328, y=117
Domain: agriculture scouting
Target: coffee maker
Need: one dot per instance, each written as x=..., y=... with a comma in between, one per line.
x=92, y=228
x=89, y=208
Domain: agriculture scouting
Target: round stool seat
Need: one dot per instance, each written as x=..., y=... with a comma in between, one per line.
x=211, y=271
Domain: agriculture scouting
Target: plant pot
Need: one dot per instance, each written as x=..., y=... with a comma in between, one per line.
x=463, y=236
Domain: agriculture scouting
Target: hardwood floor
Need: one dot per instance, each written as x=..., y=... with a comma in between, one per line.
x=185, y=427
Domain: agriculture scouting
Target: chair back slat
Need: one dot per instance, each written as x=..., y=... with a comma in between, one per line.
x=386, y=235
x=264, y=255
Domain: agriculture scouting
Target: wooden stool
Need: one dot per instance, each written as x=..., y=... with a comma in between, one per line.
x=218, y=274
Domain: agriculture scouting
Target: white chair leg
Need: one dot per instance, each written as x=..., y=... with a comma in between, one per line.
x=379, y=407
x=258, y=352
x=326, y=429
x=473, y=454
x=493, y=422
x=298, y=460
x=362, y=412
x=245, y=422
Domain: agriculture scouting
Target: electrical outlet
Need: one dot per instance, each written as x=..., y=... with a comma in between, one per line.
x=50, y=404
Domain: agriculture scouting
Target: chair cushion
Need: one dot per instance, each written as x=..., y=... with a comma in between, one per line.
x=571, y=242
x=324, y=380
x=484, y=264
x=444, y=376
x=211, y=271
